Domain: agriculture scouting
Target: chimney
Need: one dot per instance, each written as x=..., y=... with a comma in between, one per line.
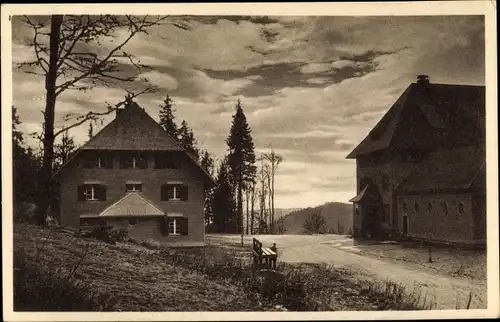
x=422, y=79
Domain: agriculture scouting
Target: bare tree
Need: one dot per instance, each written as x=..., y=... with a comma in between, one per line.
x=68, y=61
x=274, y=160
x=262, y=195
x=316, y=224
x=252, y=207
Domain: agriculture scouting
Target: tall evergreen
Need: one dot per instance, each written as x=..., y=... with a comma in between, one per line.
x=64, y=150
x=187, y=140
x=224, y=215
x=25, y=168
x=90, y=132
x=167, y=118
x=241, y=158
x=207, y=163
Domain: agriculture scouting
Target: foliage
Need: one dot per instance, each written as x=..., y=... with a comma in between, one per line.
x=223, y=207
x=25, y=168
x=241, y=158
x=167, y=117
x=208, y=164
x=64, y=150
x=108, y=234
x=316, y=224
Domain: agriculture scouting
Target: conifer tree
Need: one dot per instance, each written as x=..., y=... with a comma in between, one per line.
x=207, y=163
x=241, y=159
x=167, y=117
x=64, y=150
x=91, y=130
x=187, y=140
x=224, y=215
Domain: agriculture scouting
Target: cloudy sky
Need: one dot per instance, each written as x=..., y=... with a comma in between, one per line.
x=311, y=87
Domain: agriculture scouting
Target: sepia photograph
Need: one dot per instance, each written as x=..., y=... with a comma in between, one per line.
x=196, y=159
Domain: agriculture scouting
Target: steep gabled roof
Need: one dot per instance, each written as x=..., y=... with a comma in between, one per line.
x=132, y=205
x=134, y=130
x=453, y=169
x=456, y=109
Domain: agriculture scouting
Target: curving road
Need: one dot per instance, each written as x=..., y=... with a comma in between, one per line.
x=446, y=292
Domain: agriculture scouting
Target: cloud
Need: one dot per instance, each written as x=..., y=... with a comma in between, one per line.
x=315, y=68
x=161, y=80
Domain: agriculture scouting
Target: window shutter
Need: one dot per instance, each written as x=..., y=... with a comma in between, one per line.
x=164, y=192
x=80, y=193
x=108, y=161
x=184, y=225
x=159, y=164
x=143, y=162
x=164, y=225
x=101, y=193
x=184, y=192
x=123, y=161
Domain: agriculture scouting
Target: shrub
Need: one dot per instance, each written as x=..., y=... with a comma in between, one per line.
x=108, y=234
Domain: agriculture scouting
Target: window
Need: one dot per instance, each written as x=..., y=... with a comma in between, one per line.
x=163, y=161
x=133, y=187
x=132, y=222
x=176, y=191
x=461, y=208
x=91, y=192
x=133, y=160
x=429, y=207
x=174, y=225
x=417, y=207
x=444, y=205
x=94, y=160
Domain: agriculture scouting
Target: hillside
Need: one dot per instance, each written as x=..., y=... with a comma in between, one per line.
x=337, y=215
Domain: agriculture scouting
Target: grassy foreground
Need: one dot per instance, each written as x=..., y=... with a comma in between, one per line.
x=57, y=271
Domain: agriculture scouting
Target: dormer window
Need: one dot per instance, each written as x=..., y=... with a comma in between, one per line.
x=133, y=186
x=133, y=160
x=98, y=160
x=166, y=161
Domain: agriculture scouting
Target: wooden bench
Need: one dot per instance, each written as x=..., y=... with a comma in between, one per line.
x=261, y=254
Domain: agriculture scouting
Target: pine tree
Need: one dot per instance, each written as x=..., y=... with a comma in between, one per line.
x=25, y=168
x=241, y=158
x=187, y=140
x=208, y=164
x=224, y=215
x=167, y=118
x=64, y=150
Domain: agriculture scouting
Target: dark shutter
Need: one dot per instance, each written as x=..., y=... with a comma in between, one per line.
x=142, y=161
x=107, y=161
x=184, y=225
x=123, y=160
x=164, y=192
x=127, y=187
x=80, y=193
x=101, y=190
x=164, y=225
x=159, y=162
x=184, y=192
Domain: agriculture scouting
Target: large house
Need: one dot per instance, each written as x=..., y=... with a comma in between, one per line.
x=421, y=170
x=134, y=175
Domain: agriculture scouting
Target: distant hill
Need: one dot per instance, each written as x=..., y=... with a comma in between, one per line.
x=338, y=216
x=281, y=212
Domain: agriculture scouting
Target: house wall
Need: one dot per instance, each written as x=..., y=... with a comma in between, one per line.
x=392, y=171
x=114, y=180
x=437, y=225
x=150, y=229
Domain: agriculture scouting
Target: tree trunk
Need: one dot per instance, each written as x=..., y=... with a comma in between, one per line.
x=45, y=176
x=272, y=195
x=271, y=224
x=252, y=209
x=247, y=200
x=240, y=208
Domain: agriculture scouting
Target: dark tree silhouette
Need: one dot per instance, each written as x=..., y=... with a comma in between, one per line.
x=316, y=224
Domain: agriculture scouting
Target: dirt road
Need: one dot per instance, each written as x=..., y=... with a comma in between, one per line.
x=446, y=292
